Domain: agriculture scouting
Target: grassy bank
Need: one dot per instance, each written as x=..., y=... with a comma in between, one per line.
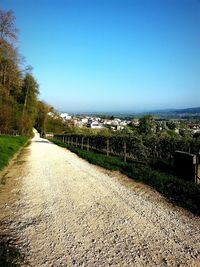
x=185, y=194
x=9, y=145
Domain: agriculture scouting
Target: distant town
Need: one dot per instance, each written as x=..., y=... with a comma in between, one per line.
x=176, y=120
x=95, y=122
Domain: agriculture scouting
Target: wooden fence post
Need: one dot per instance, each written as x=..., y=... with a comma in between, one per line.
x=88, y=144
x=107, y=147
x=82, y=142
x=124, y=151
x=197, y=170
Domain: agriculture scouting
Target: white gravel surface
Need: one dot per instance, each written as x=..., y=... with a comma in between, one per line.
x=67, y=212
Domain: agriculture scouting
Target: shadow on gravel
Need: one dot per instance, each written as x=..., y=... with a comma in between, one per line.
x=42, y=141
x=10, y=256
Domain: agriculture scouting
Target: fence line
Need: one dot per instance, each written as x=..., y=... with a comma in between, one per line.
x=132, y=148
x=104, y=145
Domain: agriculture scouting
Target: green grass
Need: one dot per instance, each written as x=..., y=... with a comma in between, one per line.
x=9, y=145
x=184, y=194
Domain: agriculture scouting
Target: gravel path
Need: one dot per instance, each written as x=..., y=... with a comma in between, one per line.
x=59, y=210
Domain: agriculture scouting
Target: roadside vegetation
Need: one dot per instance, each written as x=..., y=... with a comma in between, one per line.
x=184, y=194
x=9, y=145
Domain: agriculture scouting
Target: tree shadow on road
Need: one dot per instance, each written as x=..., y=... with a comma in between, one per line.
x=42, y=141
x=10, y=255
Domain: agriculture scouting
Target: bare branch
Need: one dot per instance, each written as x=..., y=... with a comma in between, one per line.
x=8, y=31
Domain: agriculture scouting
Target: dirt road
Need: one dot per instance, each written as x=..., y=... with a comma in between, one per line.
x=59, y=210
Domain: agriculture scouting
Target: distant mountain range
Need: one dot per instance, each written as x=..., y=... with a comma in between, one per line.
x=188, y=110
x=176, y=112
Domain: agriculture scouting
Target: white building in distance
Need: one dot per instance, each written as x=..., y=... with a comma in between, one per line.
x=65, y=116
x=96, y=125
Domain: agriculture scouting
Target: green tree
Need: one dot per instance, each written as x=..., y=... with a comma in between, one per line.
x=171, y=125
x=42, y=114
x=28, y=101
x=147, y=125
x=10, y=80
x=18, y=92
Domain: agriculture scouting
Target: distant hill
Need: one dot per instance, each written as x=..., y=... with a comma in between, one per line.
x=165, y=113
x=188, y=110
x=180, y=113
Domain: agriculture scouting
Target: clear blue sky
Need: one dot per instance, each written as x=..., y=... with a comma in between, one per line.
x=112, y=55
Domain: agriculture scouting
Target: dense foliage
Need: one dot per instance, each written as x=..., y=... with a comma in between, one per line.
x=18, y=88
